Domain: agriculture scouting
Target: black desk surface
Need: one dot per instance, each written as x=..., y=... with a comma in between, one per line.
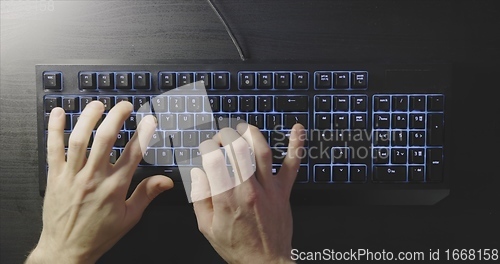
x=464, y=33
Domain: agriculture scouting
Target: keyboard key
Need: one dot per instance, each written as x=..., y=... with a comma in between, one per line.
x=113, y=156
x=417, y=138
x=88, y=81
x=221, y=121
x=341, y=80
x=302, y=175
x=214, y=104
x=279, y=155
x=168, y=121
x=52, y=80
x=194, y=103
x=141, y=103
x=160, y=104
x=123, y=80
x=381, y=121
x=247, y=80
x=264, y=80
x=435, y=131
x=167, y=80
x=340, y=121
x=381, y=138
x=229, y=103
x=417, y=103
x=322, y=174
x=434, y=164
x=359, y=80
x=341, y=103
x=399, y=156
x=416, y=156
x=108, y=102
x=291, y=119
x=247, y=104
x=291, y=103
x=149, y=157
x=358, y=173
x=256, y=120
x=51, y=103
x=85, y=100
x=131, y=123
x=399, y=121
x=300, y=80
x=282, y=80
x=382, y=103
x=70, y=104
x=185, y=78
x=340, y=155
x=221, y=80
x=204, y=135
x=264, y=103
x=105, y=80
x=340, y=173
x=186, y=121
x=237, y=119
x=417, y=121
x=380, y=156
x=416, y=174
x=123, y=98
x=323, y=121
x=173, y=139
x=273, y=122
x=323, y=104
x=190, y=139
x=142, y=81
x=389, y=173
x=358, y=121
x=203, y=121
x=121, y=139
x=164, y=156
x=358, y=103
x=435, y=103
x=399, y=103
x=399, y=138
x=323, y=80
x=177, y=104
x=206, y=78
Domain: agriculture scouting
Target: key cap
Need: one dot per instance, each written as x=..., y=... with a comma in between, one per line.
x=435, y=131
x=279, y=155
x=206, y=78
x=273, y=122
x=323, y=104
x=141, y=103
x=182, y=156
x=164, y=156
x=322, y=174
x=229, y=103
x=417, y=121
x=121, y=139
x=381, y=120
x=417, y=103
x=214, y=104
x=358, y=121
x=380, y=156
x=358, y=173
x=203, y=121
x=186, y=121
x=247, y=80
x=204, y=135
x=124, y=80
x=291, y=119
x=51, y=103
x=341, y=80
x=264, y=80
x=88, y=81
x=172, y=139
x=247, y=104
x=434, y=164
x=435, y=103
x=358, y=103
x=190, y=139
x=256, y=120
x=105, y=80
x=142, y=81
x=340, y=173
x=177, y=104
x=359, y=80
x=323, y=80
x=157, y=139
x=417, y=138
x=323, y=121
x=399, y=156
x=236, y=119
x=113, y=156
x=302, y=175
x=399, y=121
x=131, y=123
x=340, y=121
x=149, y=157
x=221, y=121
x=291, y=103
x=185, y=78
x=416, y=173
x=340, y=155
x=167, y=80
x=85, y=100
x=194, y=104
x=52, y=81
x=124, y=98
x=282, y=80
x=196, y=158
x=159, y=104
x=70, y=104
x=221, y=80
x=300, y=80
x=341, y=103
x=417, y=156
x=399, y=103
x=399, y=138
x=382, y=103
x=108, y=102
x=381, y=138
x=264, y=103
x=389, y=173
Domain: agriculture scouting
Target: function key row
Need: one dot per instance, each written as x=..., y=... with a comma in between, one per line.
x=273, y=80
x=340, y=80
x=405, y=103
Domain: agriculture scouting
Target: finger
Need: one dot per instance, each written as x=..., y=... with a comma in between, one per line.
x=135, y=148
x=144, y=193
x=220, y=182
x=106, y=134
x=55, y=140
x=239, y=153
x=200, y=188
x=202, y=203
x=261, y=150
x=295, y=152
x=79, y=138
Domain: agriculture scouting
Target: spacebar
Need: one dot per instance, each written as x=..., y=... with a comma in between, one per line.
x=173, y=172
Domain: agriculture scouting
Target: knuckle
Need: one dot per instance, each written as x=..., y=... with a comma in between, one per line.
x=78, y=143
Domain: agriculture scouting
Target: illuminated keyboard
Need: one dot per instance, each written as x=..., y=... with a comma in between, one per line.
x=375, y=133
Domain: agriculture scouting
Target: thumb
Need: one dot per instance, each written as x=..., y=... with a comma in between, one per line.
x=145, y=192
x=291, y=163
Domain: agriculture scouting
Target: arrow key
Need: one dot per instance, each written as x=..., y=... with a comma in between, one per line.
x=322, y=174
x=340, y=174
x=358, y=173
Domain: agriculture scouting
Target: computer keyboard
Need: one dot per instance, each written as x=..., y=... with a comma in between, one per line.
x=375, y=132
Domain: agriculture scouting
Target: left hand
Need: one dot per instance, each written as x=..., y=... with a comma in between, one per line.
x=85, y=208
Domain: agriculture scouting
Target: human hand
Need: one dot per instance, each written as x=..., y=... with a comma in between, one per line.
x=251, y=223
x=85, y=208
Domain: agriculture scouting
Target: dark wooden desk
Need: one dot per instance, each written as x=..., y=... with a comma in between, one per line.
x=464, y=33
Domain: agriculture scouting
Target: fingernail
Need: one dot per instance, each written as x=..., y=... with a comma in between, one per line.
x=57, y=112
x=195, y=178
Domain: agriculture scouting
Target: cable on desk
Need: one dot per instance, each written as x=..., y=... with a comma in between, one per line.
x=228, y=30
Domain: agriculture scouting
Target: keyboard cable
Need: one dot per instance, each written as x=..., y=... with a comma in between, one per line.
x=228, y=30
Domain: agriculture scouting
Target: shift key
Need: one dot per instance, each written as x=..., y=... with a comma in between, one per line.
x=291, y=103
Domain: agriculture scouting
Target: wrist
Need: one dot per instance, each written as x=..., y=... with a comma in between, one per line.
x=43, y=254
